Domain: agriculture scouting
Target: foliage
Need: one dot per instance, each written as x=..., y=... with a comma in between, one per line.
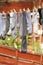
x=16, y=43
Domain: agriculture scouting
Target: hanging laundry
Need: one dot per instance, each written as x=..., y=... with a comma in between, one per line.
x=35, y=20
x=39, y=10
x=14, y=24
x=4, y=20
x=1, y=25
x=29, y=21
x=42, y=16
x=24, y=45
x=8, y=22
x=20, y=21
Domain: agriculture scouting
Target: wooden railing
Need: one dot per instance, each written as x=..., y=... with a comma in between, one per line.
x=11, y=56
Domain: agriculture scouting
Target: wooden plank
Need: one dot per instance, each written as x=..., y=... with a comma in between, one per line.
x=24, y=63
x=6, y=60
x=29, y=56
x=7, y=51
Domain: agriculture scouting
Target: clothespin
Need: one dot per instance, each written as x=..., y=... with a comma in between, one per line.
x=14, y=10
x=23, y=9
x=3, y=12
x=11, y=10
x=39, y=6
x=20, y=10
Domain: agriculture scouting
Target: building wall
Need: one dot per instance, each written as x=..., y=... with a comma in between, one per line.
x=17, y=6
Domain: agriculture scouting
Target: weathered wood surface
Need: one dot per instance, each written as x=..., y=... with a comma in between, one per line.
x=10, y=56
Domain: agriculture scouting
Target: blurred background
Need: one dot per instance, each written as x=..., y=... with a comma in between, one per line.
x=6, y=5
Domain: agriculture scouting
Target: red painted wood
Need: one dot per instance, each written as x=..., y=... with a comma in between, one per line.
x=7, y=51
x=42, y=59
x=22, y=63
x=8, y=6
x=29, y=56
x=6, y=60
x=21, y=58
